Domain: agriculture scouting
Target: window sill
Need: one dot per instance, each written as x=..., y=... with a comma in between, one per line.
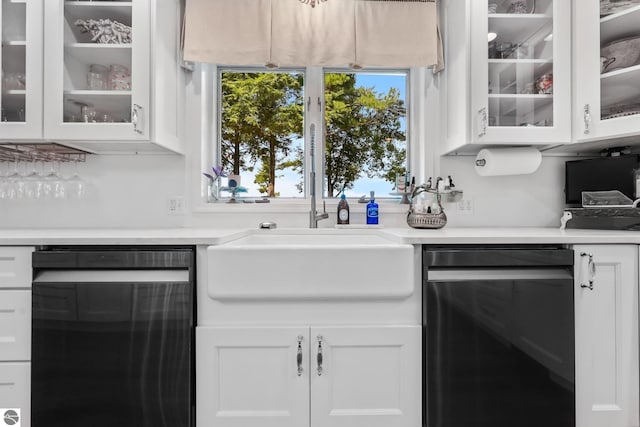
x=294, y=206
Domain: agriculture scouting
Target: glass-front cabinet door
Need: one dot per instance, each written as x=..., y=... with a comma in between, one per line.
x=21, y=64
x=520, y=71
x=607, y=55
x=97, y=70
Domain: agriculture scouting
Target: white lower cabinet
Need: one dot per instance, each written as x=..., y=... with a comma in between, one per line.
x=248, y=377
x=15, y=335
x=606, y=307
x=15, y=267
x=335, y=376
x=15, y=386
x=15, y=325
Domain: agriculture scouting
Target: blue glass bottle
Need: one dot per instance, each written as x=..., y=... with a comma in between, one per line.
x=372, y=210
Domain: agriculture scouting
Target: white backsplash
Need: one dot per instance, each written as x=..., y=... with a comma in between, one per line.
x=535, y=200
x=123, y=191
x=133, y=192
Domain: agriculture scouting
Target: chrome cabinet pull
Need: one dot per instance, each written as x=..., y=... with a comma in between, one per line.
x=587, y=119
x=591, y=268
x=484, y=120
x=299, y=355
x=319, y=356
x=135, y=118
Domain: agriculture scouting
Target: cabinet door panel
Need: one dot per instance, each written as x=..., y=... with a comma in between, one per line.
x=521, y=87
x=15, y=267
x=248, y=377
x=21, y=41
x=73, y=109
x=15, y=391
x=15, y=325
x=604, y=90
x=607, y=336
x=371, y=376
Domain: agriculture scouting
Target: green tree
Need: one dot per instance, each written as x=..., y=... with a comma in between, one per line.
x=261, y=116
x=363, y=134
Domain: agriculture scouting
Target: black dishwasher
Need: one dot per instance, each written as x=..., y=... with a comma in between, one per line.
x=498, y=343
x=113, y=337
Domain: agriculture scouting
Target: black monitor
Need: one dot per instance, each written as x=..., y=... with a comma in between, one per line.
x=601, y=174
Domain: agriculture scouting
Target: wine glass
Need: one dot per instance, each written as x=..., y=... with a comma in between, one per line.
x=53, y=184
x=14, y=186
x=3, y=179
x=75, y=186
x=33, y=184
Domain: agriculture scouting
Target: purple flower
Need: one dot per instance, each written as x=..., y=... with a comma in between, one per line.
x=218, y=172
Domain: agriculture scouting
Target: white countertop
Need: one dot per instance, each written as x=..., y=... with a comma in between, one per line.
x=213, y=236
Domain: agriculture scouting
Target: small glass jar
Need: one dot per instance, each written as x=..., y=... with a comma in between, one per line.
x=97, y=77
x=119, y=77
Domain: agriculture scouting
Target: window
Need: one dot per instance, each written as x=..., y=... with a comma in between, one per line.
x=265, y=118
x=261, y=127
x=365, y=133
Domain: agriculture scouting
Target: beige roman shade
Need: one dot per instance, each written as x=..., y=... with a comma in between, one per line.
x=302, y=35
x=232, y=32
x=364, y=33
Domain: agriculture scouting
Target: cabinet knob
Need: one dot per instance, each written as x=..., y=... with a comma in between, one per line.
x=483, y=122
x=587, y=119
x=591, y=270
x=136, y=119
x=299, y=355
x=319, y=355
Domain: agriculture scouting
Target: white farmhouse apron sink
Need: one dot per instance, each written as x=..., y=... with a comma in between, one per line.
x=310, y=264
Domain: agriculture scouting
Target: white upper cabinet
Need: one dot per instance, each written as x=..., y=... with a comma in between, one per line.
x=103, y=76
x=111, y=69
x=21, y=63
x=509, y=72
x=607, y=63
x=97, y=68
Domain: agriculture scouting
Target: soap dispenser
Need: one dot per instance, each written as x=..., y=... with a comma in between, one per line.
x=372, y=210
x=343, y=210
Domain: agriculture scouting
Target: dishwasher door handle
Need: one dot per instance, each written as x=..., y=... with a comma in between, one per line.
x=111, y=276
x=454, y=275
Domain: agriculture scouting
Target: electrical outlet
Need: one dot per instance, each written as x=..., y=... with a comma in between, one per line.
x=176, y=205
x=465, y=206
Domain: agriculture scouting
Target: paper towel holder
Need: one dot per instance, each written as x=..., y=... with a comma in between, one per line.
x=507, y=161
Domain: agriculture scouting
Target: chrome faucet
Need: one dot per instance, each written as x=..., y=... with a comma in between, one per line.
x=314, y=216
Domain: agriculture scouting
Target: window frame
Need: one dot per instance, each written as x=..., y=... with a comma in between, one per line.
x=210, y=106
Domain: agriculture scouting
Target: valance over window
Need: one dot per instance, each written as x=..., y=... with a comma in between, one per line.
x=364, y=33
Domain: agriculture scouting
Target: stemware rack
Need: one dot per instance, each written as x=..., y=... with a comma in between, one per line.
x=41, y=152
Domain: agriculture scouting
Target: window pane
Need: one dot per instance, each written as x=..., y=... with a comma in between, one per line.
x=365, y=133
x=261, y=128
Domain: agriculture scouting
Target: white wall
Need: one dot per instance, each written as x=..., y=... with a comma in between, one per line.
x=133, y=192
x=535, y=200
x=124, y=191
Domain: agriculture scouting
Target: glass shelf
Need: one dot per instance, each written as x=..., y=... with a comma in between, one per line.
x=81, y=105
x=520, y=67
x=619, y=88
x=14, y=52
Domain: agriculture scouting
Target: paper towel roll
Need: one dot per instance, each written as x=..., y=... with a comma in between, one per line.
x=507, y=161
